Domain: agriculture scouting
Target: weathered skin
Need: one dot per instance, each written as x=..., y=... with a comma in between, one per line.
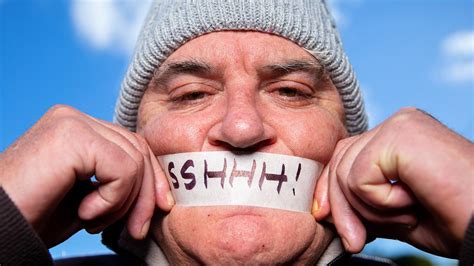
x=238, y=107
x=256, y=92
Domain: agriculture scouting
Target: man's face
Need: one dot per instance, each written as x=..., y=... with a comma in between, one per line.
x=241, y=91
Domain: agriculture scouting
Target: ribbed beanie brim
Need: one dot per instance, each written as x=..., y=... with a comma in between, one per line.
x=171, y=23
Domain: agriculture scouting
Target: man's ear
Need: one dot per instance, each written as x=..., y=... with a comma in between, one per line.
x=321, y=209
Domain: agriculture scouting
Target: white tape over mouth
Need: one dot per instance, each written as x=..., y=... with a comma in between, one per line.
x=256, y=179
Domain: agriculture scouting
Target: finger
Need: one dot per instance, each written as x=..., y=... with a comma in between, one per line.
x=339, y=151
x=405, y=216
x=321, y=208
x=118, y=135
x=377, y=186
x=163, y=195
x=116, y=171
x=347, y=223
x=376, y=213
x=102, y=221
x=139, y=218
x=137, y=148
x=164, y=198
x=127, y=141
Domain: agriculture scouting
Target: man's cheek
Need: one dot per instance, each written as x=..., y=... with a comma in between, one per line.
x=314, y=138
x=167, y=135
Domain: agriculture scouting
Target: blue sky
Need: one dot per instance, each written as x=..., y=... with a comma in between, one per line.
x=405, y=53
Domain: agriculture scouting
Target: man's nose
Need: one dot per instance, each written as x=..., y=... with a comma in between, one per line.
x=242, y=126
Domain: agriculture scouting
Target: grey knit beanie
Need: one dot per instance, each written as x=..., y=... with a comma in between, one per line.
x=171, y=23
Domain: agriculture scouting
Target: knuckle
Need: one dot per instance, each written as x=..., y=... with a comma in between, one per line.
x=66, y=126
x=134, y=164
x=132, y=169
x=340, y=173
x=352, y=183
x=140, y=161
x=406, y=118
x=342, y=143
x=142, y=143
x=383, y=203
x=358, y=184
x=406, y=115
x=62, y=122
x=332, y=168
x=61, y=110
x=408, y=110
x=123, y=166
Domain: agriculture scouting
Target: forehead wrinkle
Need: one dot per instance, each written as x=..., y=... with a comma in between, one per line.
x=246, y=60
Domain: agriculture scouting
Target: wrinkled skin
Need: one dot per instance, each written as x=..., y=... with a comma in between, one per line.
x=241, y=101
x=253, y=92
x=430, y=203
x=46, y=174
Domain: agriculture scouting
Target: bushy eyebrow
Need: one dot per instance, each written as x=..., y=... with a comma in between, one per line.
x=200, y=68
x=191, y=66
x=292, y=66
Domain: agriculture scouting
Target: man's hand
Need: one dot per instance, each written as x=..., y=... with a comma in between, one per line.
x=47, y=175
x=410, y=178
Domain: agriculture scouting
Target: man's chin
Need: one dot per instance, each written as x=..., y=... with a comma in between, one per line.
x=240, y=234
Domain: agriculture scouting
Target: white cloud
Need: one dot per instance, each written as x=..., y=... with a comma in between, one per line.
x=115, y=24
x=109, y=24
x=458, y=53
x=459, y=44
x=336, y=7
x=336, y=12
x=460, y=72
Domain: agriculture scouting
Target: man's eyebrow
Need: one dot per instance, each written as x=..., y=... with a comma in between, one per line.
x=291, y=66
x=191, y=66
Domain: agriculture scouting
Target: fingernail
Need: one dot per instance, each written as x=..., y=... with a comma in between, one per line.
x=170, y=199
x=315, y=207
x=144, y=230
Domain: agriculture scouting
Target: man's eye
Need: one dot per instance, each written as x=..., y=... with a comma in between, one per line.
x=193, y=96
x=292, y=93
x=288, y=92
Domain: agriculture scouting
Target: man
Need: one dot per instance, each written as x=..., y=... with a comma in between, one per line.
x=243, y=76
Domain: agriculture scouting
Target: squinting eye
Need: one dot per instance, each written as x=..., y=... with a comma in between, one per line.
x=288, y=92
x=292, y=93
x=193, y=96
